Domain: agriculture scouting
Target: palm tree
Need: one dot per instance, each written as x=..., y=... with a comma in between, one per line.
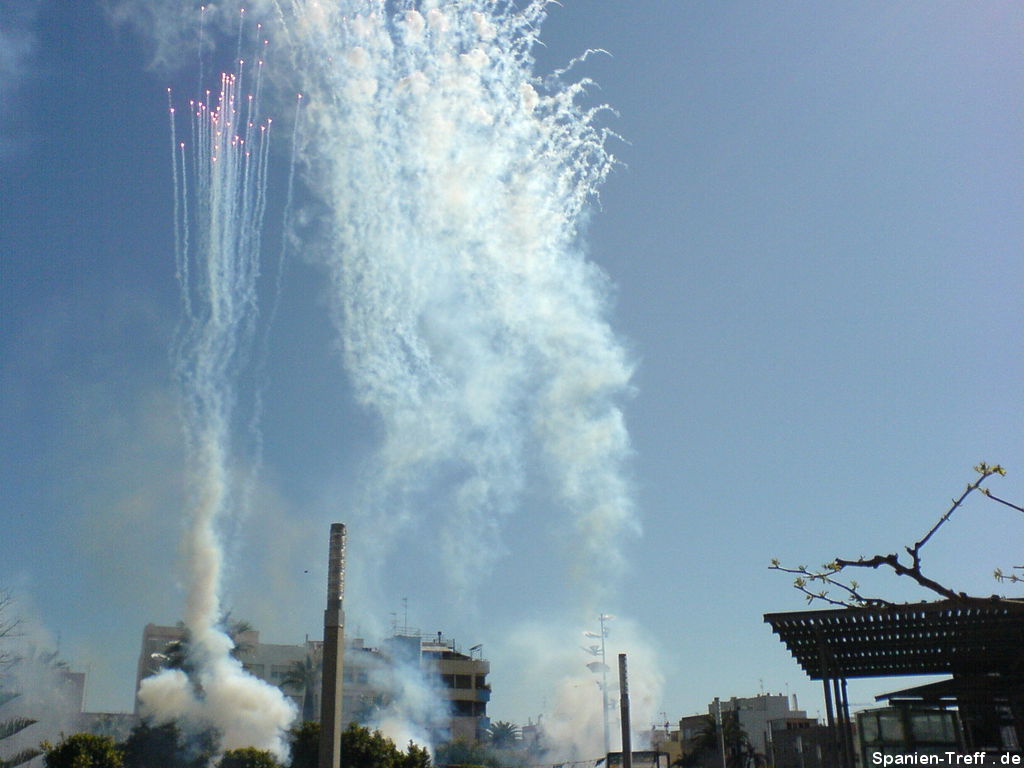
x=177, y=652
x=503, y=734
x=10, y=727
x=304, y=676
x=41, y=661
x=238, y=630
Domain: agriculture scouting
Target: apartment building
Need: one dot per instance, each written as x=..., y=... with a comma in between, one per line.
x=453, y=684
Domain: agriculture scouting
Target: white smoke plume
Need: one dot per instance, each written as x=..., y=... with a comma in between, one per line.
x=243, y=709
x=220, y=201
x=471, y=323
x=412, y=708
x=554, y=659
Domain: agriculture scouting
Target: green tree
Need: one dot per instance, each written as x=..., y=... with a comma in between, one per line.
x=465, y=753
x=416, y=757
x=362, y=748
x=149, y=747
x=248, y=757
x=83, y=750
x=162, y=746
x=304, y=740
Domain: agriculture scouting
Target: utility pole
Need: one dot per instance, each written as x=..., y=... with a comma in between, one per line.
x=627, y=741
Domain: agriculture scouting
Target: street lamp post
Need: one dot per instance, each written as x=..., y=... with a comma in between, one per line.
x=721, y=728
x=594, y=650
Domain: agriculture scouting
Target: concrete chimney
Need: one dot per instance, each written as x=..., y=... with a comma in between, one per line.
x=627, y=741
x=334, y=652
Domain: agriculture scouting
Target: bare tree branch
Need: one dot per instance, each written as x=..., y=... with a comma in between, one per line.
x=985, y=471
x=913, y=571
x=1001, y=501
x=805, y=577
x=828, y=576
x=8, y=625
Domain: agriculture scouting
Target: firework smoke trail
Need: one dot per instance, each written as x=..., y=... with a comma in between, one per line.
x=218, y=224
x=471, y=322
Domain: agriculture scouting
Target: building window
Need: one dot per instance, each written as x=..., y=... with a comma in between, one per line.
x=277, y=671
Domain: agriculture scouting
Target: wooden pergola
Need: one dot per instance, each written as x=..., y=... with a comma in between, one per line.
x=979, y=642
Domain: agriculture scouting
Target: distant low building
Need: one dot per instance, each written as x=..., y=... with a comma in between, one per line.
x=763, y=718
x=757, y=713
x=802, y=744
x=371, y=677
x=667, y=741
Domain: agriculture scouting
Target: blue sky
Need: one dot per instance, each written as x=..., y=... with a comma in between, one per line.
x=814, y=240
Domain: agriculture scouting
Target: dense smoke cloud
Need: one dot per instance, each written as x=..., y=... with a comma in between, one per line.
x=453, y=182
x=551, y=658
x=244, y=710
